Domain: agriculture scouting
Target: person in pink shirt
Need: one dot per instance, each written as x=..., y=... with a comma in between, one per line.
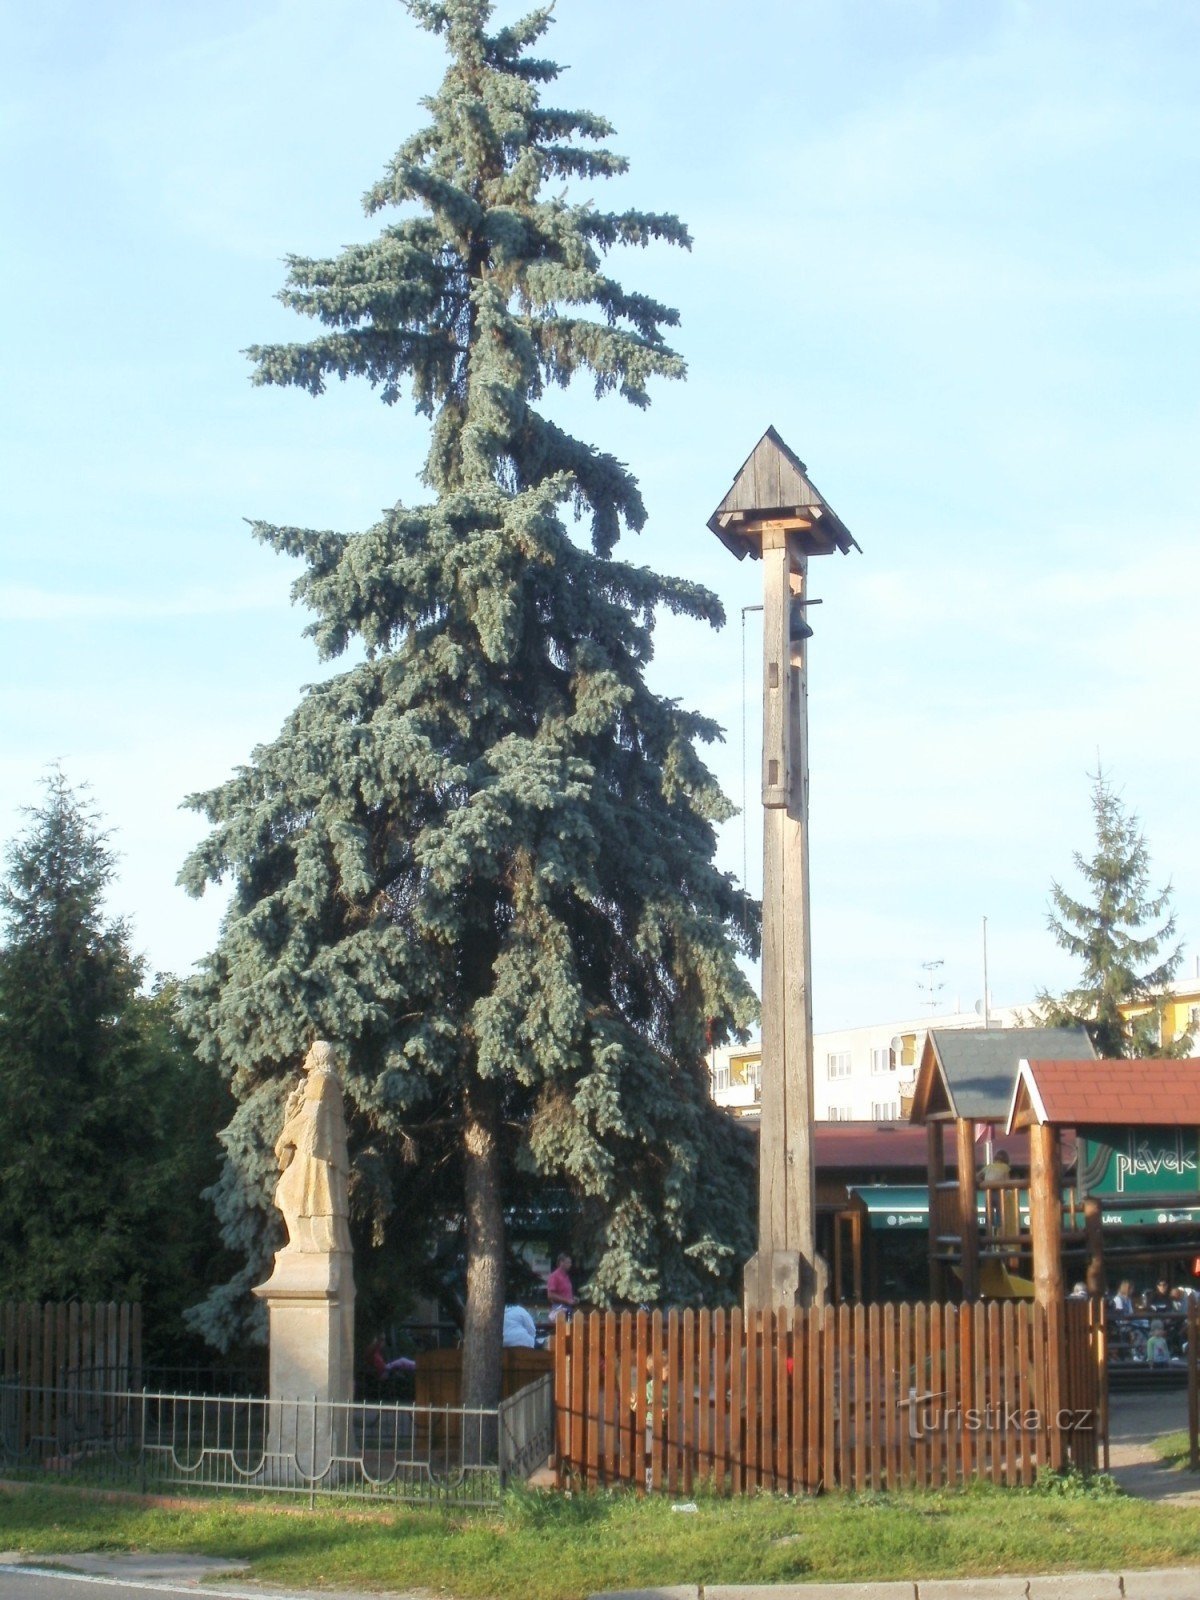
x=559, y=1290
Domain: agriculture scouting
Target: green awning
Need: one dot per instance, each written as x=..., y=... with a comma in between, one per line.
x=896, y=1206
x=1126, y=1218
x=892, y=1206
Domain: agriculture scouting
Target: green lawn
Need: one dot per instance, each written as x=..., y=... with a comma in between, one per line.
x=553, y=1547
x=1173, y=1448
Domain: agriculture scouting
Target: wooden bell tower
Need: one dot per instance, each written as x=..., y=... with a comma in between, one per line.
x=773, y=513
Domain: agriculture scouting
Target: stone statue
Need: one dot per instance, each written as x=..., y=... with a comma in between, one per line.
x=312, y=1191
x=310, y=1293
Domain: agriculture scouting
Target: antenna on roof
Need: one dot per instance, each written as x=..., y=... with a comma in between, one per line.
x=931, y=983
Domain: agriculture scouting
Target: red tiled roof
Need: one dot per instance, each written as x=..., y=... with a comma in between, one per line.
x=866, y=1146
x=1149, y=1094
x=869, y=1144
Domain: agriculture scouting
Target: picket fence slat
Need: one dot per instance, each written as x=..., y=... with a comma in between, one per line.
x=52, y=1350
x=869, y=1398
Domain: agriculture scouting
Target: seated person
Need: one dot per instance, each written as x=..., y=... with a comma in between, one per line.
x=378, y=1366
x=1158, y=1353
x=997, y=1170
x=1122, y=1301
x=519, y=1331
x=1159, y=1298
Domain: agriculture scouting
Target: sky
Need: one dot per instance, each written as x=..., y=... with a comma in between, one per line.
x=951, y=252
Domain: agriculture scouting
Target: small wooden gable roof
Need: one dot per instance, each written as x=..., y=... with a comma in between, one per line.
x=772, y=485
x=969, y=1072
x=1106, y=1093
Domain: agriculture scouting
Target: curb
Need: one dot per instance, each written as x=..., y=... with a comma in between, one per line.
x=1166, y=1583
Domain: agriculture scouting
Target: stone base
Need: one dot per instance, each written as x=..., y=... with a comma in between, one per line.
x=310, y=1304
x=783, y=1281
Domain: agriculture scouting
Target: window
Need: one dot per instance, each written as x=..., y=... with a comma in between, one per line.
x=720, y=1075
x=1149, y=1026
x=883, y=1060
x=884, y=1110
x=837, y=1064
x=838, y=1114
x=1193, y=1019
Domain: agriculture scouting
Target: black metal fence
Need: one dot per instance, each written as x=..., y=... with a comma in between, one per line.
x=153, y=1441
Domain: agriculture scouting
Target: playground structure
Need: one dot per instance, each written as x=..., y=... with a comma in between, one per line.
x=1135, y=1123
x=979, y=1239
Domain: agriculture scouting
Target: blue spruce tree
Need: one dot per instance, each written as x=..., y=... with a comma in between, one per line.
x=481, y=859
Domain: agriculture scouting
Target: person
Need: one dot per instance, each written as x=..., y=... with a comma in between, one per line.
x=519, y=1330
x=1160, y=1296
x=380, y=1367
x=1158, y=1352
x=997, y=1170
x=313, y=1187
x=1079, y=1292
x=559, y=1290
x=1003, y=1217
x=1122, y=1301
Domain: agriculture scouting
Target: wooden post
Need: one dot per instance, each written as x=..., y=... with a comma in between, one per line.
x=1193, y=1371
x=936, y=1162
x=1093, y=1232
x=785, y=1271
x=1045, y=1226
x=773, y=512
x=968, y=1215
x=1045, y=1212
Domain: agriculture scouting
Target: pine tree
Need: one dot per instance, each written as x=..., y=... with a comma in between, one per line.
x=104, y=1144
x=1109, y=935
x=481, y=858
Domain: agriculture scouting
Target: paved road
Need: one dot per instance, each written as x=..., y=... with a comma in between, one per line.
x=19, y=1583
x=132, y=1578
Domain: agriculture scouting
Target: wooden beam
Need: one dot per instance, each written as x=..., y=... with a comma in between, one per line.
x=776, y=692
x=1045, y=1226
x=764, y=527
x=797, y=996
x=968, y=1215
x=935, y=1160
x=1045, y=1212
x=785, y=1270
x=1093, y=1232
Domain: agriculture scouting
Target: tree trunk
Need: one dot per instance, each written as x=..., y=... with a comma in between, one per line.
x=483, y=1330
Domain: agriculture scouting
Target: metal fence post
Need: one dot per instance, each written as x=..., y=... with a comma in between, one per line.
x=1193, y=1370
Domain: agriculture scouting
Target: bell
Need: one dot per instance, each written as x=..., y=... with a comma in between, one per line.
x=798, y=628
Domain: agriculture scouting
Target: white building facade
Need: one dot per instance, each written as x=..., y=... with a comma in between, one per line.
x=859, y=1074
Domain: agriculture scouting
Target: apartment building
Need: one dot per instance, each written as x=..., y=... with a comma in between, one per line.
x=859, y=1074
x=866, y=1074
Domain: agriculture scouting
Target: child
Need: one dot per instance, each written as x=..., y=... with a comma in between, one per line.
x=1158, y=1352
x=380, y=1367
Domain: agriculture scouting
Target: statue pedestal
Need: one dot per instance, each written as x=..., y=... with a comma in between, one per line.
x=310, y=1302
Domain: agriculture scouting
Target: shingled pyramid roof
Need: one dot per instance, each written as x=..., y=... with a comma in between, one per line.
x=773, y=484
x=970, y=1072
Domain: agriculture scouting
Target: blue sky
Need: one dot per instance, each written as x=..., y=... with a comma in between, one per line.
x=951, y=251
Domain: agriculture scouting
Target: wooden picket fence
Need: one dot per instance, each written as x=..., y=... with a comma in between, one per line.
x=52, y=1353
x=877, y=1397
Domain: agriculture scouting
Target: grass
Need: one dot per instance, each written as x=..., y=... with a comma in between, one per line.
x=556, y=1547
x=1173, y=1448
